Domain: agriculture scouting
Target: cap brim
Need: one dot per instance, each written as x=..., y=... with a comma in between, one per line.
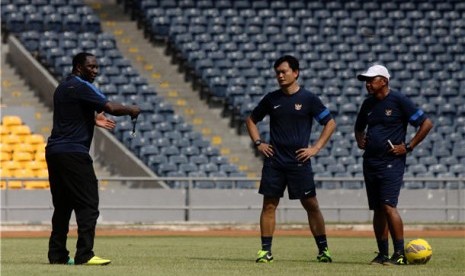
x=364, y=77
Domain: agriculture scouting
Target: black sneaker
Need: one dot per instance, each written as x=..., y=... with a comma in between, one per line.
x=396, y=259
x=380, y=259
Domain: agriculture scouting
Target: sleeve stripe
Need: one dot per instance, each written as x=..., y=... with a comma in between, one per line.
x=95, y=89
x=323, y=114
x=415, y=116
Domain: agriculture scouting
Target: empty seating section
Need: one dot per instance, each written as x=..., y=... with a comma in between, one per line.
x=227, y=48
x=163, y=141
x=22, y=155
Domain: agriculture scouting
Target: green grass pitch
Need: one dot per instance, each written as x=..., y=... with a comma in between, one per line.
x=157, y=255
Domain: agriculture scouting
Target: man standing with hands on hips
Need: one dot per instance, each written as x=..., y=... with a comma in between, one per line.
x=78, y=107
x=380, y=130
x=287, y=155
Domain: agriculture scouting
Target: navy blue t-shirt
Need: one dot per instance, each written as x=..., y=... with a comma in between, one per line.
x=385, y=120
x=75, y=103
x=291, y=118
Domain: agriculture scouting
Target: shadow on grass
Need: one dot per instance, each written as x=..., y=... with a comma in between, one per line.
x=251, y=260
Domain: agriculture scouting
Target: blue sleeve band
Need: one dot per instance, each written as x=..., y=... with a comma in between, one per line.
x=417, y=115
x=323, y=114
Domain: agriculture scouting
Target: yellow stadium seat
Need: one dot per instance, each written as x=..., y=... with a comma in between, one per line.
x=42, y=173
x=39, y=156
x=5, y=156
x=24, y=147
x=6, y=148
x=20, y=173
x=15, y=184
x=4, y=130
x=4, y=173
x=11, y=120
x=39, y=184
x=35, y=139
x=20, y=130
x=11, y=165
x=22, y=156
x=10, y=139
x=23, y=172
x=36, y=184
x=35, y=165
x=40, y=147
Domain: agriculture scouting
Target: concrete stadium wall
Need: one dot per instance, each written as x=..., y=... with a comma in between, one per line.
x=146, y=206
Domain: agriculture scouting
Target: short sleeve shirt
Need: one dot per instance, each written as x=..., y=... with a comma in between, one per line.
x=385, y=120
x=291, y=118
x=75, y=103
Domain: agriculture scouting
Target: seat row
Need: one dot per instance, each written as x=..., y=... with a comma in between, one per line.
x=22, y=155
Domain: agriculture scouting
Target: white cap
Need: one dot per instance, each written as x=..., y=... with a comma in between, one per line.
x=373, y=71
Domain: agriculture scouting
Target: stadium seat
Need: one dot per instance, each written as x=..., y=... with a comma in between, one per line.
x=412, y=184
x=221, y=184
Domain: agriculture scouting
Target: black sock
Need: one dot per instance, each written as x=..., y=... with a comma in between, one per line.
x=383, y=247
x=266, y=243
x=399, y=246
x=321, y=242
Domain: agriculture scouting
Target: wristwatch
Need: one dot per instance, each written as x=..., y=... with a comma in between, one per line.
x=257, y=142
x=408, y=148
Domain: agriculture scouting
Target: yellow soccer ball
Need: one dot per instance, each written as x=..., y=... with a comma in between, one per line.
x=418, y=251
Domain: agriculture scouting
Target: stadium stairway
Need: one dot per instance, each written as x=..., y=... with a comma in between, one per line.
x=153, y=64
x=15, y=93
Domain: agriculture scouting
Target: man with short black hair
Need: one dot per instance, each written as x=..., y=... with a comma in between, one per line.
x=287, y=155
x=78, y=107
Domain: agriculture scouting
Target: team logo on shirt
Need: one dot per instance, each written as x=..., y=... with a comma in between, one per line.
x=388, y=112
x=298, y=106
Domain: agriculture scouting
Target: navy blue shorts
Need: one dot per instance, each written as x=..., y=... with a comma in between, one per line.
x=298, y=180
x=383, y=180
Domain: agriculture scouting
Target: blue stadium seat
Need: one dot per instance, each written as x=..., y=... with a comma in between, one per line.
x=412, y=184
x=198, y=159
x=188, y=168
x=190, y=151
x=221, y=184
x=170, y=150
x=165, y=168
x=154, y=161
x=209, y=168
x=418, y=169
x=178, y=159
x=148, y=150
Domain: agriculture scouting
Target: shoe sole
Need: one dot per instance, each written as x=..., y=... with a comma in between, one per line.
x=263, y=261
x=98, y=264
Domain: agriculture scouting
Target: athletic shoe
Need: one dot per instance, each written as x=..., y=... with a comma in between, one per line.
x=396, y=259
x=324, y=256
x=97, y=261
x=264, y=256
x=380, y=259
x=70, y=261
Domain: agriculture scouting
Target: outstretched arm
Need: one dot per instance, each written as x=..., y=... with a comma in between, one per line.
x=118, y=109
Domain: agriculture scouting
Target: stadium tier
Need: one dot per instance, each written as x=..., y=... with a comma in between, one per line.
x=227, y=49
x=22, y=155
